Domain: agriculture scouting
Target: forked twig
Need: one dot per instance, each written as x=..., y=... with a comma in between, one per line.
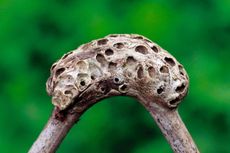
x=119, y=64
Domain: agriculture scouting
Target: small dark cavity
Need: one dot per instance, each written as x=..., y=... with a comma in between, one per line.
x=102, y=89
x=123, y=87
x=97, y=49
x=112, y=65
x=151, y=71
x=66, y=55
x=180, y=88
x=174, y=101
x=116, y=79
x=155, y=49
x=82, y=83
x=108, y=52
x=141, y=49
x=170, y=61
x=164, y=69
x=101, y=59
x=92, y=77
x=68, y=92
x=102, y=41
x=160, y=90
x=158, y=120
x=148, y=40
x=181, y=69
x=119, y=45
x=53, y=66
x=138, y=37
x=113, y=35
x=130, y=60
x=59, y=71
x=140, y=72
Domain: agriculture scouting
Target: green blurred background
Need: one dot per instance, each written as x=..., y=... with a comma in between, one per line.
x=34, y=34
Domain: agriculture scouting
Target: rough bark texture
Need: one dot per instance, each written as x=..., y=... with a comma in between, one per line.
x=118, y=64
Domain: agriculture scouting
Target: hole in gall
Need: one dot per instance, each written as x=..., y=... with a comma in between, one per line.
x=119, y=45
x=170, y=61
x=108, y=52
x=102, y=41
x=164, y=69
x=141, y=49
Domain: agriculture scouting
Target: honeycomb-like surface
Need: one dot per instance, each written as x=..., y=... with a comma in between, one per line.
x=118, y=64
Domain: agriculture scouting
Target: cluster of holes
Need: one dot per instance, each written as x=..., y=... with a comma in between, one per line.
x=102, y=41
x=109, y=52
x=141, y=49
x=155, y=49
x=119, y=45
x=170, y=61
x=164, y=69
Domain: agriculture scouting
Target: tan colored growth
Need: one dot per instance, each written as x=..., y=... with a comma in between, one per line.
x=118, y=64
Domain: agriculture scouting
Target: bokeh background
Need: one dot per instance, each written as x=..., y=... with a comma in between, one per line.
x=34, y=34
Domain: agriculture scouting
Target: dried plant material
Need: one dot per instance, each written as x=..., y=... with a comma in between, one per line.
x=139, y=61
x=119, y=64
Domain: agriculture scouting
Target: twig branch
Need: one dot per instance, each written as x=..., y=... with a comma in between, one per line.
x=54, y=132
x=122, y=64
x=174, y=131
